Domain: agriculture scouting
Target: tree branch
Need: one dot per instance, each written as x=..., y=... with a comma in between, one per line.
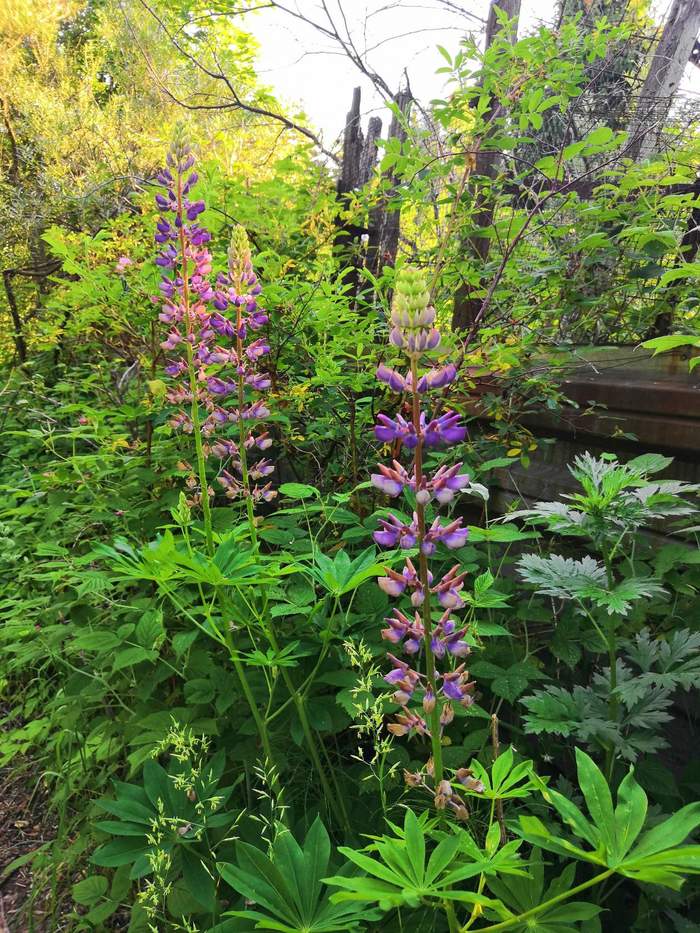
x=237, y=103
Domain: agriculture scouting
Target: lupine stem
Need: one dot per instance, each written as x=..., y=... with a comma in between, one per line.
x=335, y=801
x=496, y=747
x=452, y=923
x=196, y=426
x=435, y=737
x=611, y=643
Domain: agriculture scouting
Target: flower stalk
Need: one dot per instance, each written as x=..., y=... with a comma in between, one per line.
x=444, y=683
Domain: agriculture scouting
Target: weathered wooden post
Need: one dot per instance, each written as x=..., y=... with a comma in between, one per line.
x=384, y=219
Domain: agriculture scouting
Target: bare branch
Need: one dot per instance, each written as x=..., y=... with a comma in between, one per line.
x=219, y=75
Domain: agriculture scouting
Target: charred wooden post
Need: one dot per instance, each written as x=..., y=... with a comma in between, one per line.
x=359, y=160
x=384, y=221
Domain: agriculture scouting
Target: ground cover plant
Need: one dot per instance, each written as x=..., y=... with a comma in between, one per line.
x=271, y=656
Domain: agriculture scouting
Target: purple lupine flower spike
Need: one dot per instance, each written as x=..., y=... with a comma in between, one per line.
x=194, y=309
x=419, y=637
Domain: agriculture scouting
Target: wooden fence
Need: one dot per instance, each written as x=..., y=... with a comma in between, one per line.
x=629, y=403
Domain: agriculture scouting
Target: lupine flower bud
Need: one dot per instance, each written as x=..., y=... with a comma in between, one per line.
x=406, y=723
x=411, y=318
x=394, y=380
x=461, y=812
x=444, y=787
x=413, y=779
x=466, y=778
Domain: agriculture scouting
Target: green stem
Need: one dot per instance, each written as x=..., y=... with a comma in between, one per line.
x=201, y=462
x=452, y=923
x=435, y=737
x=611, y=641
x=476, y=909
x=303, y=688
x=255, y=712
x=565, y=895
x=335, y=800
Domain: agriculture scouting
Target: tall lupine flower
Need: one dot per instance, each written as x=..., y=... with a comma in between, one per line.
x=214, y=355
x=214, y=359
x=416, y=634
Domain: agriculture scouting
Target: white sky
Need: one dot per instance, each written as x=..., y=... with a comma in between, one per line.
x=309, y=71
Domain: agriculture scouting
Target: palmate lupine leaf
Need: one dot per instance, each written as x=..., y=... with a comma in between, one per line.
x=524, y=894
x=613, y=834
x=288, y=887
x=505, y=781
x=396, y=873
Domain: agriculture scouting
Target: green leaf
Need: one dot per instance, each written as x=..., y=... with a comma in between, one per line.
x=317, y=852
x=120, y=828
x=118, y=852
x=130, y=810
x=415, y=846
x=503, y=534
x=157, y=784
x=101, y=912
x=298, y=491
x=199, y=691
x=600, y=136
x=371, y=866
x=630, y=813
x=535, y=832
x=131, y=656
x=257, y=879
x=685, y=271
x=89, y=891
x=442, y=856
x=667, y=834
x=199, y=882
x=572, y=816
x=96, y=641
x=183, y=641
x=598, y=799
x=149, y=631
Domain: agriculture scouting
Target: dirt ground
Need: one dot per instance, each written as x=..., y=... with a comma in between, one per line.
x=23, y=829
